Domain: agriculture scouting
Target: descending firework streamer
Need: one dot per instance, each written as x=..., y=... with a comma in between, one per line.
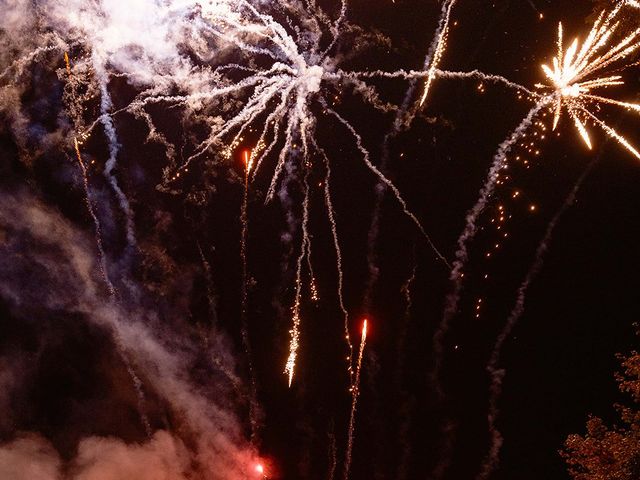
x=403, y=118
x=457, y=273
x=496, y=373
x=96, y=223
x=336, y=243
x=576, y=73
x=354, y=402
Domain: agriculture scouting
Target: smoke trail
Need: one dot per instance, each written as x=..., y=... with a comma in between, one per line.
x=18, y=66
x=103, y=269
x=211, y=294
x=497, y=373
x=110, y=131
x=335, y=28
x=336, y=244
x=387, y=182
x=354, y=402
x=244, y=310
x=530, y=2
x=418, y=74
x=457, y=275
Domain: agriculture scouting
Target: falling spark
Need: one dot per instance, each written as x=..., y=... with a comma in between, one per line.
x=248, y=163
x=576, y=73
x=355, y=392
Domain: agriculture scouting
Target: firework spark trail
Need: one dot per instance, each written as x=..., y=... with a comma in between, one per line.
x=276, y=97
x=244, y=307
x=438, y=46
x=336, y=243
x=497, y=373
x=96, y=224
x=486, y=192
x=294, y=344
x=354, y=402
x=106, y=105
x=387, y=182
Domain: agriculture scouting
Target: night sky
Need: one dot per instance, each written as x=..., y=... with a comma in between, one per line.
x=62, y=375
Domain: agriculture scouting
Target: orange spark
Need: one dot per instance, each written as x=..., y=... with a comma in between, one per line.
x=67, y=63
x=248, y=160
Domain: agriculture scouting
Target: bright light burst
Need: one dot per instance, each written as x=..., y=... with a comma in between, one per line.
x=260, y=75
x=576, y=73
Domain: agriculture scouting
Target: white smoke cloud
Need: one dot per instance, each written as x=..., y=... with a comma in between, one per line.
x=49, y=266
x=29, y=457
x=32, y=457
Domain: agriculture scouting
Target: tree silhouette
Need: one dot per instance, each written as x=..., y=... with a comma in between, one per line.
x=610, y=453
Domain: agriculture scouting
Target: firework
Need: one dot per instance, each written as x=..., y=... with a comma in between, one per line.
x=355, y=388
x=581, y=70
x=437, y=47
x=271, y=103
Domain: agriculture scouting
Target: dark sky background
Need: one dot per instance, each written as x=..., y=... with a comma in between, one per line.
x=560, y=358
